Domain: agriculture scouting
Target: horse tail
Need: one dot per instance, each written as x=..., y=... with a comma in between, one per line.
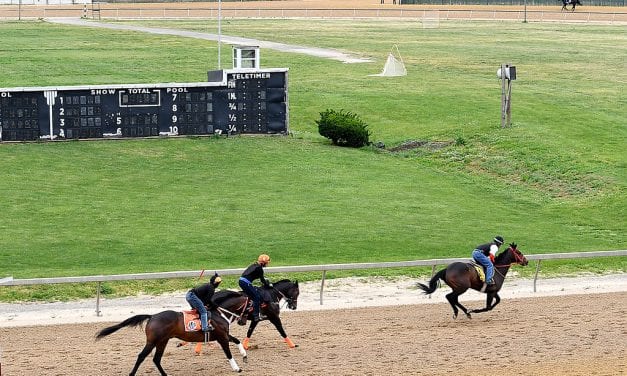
x=433, y=283
x=131, y=321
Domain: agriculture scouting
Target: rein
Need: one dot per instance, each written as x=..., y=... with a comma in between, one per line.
x=283, y=296
x=288, y=300
x=233, y=316
x=225, y=312
x=518, y=262
x=505, y=265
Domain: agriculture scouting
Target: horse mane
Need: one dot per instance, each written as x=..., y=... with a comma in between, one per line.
x=222, y=295
x=283, y=281
x=502, y=255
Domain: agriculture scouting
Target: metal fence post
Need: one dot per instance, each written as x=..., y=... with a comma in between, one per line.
x=98, y=299
x=535, y=277
x=324, y=274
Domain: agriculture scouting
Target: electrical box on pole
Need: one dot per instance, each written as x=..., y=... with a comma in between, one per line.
x=506, y=73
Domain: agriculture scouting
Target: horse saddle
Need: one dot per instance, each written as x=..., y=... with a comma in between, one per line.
x=191, y=320
x=266, y=298
x=479, y=270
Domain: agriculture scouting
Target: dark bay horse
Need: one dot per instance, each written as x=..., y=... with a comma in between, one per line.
x=169, y=324
x=235, y=306
x=566, y=3
x=235, y=303
x=461, y=276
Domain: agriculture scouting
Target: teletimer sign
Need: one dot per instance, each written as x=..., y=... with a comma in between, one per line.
x=243, y=101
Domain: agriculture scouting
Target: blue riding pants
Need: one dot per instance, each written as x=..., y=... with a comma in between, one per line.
x=482, y=259
x=195, y=302
x=252, y=292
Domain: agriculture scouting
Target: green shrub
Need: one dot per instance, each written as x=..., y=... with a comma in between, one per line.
x=343, y=128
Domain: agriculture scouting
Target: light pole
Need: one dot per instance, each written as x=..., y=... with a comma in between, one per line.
x=219, y=32
x=525, y=21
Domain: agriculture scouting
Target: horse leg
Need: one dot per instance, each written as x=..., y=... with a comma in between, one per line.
x=251, y=329
x=454, y=302
x=452, y=299
x=466, y=311
x=276, y=320
x=242, y=349
x=197, y=347
x=224, y=343
x=488, y=304
x=142, y=355
x=497, y=300
x=158, y=355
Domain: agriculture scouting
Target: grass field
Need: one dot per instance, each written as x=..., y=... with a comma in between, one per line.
x=553, y=182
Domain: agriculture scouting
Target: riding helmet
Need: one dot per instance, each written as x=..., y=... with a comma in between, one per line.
x=499, y=240
x=263, y=259
x=215, y=279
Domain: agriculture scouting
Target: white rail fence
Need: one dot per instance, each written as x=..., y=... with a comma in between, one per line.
x=127, y=13
x=9, y=281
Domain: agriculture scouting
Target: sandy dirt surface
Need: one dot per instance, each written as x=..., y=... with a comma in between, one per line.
x=313, y=9
x=365, y=327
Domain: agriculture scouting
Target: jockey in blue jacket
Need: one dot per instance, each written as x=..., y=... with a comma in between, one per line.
x=201, y=297
x=484, y=254
x=253, y=272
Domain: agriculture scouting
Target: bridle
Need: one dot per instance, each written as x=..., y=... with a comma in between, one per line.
x=517, y=255
x=290, y=302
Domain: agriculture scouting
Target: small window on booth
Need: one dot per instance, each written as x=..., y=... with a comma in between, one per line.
x=245, y=57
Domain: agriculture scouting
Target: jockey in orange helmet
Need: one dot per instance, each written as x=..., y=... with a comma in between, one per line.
x=255, y=271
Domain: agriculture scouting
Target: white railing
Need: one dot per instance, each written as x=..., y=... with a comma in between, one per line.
x=126, y=13
x=9, y=281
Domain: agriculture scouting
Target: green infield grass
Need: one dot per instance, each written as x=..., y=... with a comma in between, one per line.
x=448, y=179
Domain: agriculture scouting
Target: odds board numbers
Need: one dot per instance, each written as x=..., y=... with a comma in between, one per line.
x=251, y=102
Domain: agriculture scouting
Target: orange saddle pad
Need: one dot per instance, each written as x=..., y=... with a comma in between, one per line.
x=191, y=320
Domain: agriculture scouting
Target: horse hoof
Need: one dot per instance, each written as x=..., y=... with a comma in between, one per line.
x=245, y=359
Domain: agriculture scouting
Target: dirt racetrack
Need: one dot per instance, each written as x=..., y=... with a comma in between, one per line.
x=314, y=9
x=559, y=335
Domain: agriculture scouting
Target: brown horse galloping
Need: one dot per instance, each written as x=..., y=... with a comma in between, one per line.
x=461, y=276
x=235, y=305
x=282, y=290
x=572, y=3
x=169, y=324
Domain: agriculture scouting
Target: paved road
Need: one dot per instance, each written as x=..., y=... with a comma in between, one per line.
x=312, y=51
